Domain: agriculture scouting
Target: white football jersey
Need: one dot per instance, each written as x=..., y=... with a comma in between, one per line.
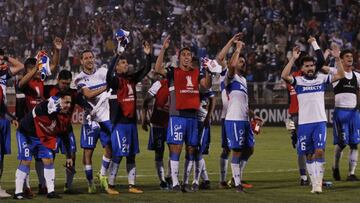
x=224, y=96
x=238, y=106
x=95, y=81
x=310, y=94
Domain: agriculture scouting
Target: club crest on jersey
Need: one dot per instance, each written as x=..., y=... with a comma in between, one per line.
x=189, y=82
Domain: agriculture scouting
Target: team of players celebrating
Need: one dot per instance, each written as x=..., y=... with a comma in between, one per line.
x=183, y=102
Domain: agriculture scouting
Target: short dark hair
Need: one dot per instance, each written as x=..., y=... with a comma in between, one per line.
x=64, y=93
x=65, y=75
x=2, y=52
x=30, y=62
x=305, y=59
x=85, y=51
x=184, y=49
x=346, y=51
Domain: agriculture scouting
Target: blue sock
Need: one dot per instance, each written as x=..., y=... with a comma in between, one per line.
x=89, y=173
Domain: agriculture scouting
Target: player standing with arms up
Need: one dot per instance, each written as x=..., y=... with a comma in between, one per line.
x=310, y=88
x=184, y=101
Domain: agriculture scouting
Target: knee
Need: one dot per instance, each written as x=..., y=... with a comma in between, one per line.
x=353, y=146
x=130, y=159
x=319, y=153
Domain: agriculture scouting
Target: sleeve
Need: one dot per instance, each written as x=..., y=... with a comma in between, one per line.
x=293, y=81
x=326, y=78
x=79, y=83
x=357, y=75
x=211, y=94
x=139, y=75
x=154, y=88
x=223, y=72
x=111, y=78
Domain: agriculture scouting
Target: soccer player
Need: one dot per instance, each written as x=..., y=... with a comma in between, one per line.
x=294, y=108
x=310, y=88
x=9, y=67
x=37, y=134
x=346, y=117
x=207, y=107
x=124, y=136
x=184, y=101
x=91, y=83
x=33, y=88
x=158, y=124
x=64, y=81
x=224, y=98
x=239, y=134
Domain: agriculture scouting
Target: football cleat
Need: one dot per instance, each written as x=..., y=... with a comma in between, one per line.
x=135, y=190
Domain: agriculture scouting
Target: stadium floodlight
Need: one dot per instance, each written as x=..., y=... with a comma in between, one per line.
x=117, y=7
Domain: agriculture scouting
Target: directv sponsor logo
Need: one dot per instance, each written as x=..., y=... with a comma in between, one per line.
x=311, y=88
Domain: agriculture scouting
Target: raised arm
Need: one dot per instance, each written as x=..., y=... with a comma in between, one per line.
x=111, y=80
x=138, y=76
x=234, y=58
x=286, y=73
x=27, y=77
x=159, y=68
x=319, y=54
x=16, y=65
x=335, y=52
x=222, y=54
x=56, y=56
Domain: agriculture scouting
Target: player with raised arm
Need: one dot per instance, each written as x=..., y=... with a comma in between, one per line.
x=9, y=67
x=346, y=117
x=292, y=123
x=310, y=88
x=37, y=134
x=32, y=85
x=159, y=92
x=124, y=136
x=224, y=98
x=184, y=101
x=240, y=137
x=91, y=83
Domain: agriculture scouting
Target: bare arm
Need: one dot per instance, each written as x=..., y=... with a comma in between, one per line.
x=89, y=94
x=16, y=67
x=234, y=59
x=286, y=73
x=27, y=77
x=159, y=68
x=56, y=56
x=335, y=52
x=222, y=54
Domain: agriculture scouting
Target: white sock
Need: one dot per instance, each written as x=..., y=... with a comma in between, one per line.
x=310, y=166
x=131, y=170
x=27, y=180
x=320, y=169
x=187, y=170
x=113, y=170
x=223, y=169
x=353, y=159
x=174, y=165
x=39, y=167
x=235, y=168
x=160, y=170
x=204, y=173
x=197, y=171
x=49, y=174
x=242, y=167
x=337, y=156
x=20, y=176
x=104, y=166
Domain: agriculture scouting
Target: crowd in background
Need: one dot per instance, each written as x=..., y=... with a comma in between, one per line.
x=270, y=28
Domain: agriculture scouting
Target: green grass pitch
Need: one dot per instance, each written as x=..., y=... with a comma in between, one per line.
x=272, y=170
